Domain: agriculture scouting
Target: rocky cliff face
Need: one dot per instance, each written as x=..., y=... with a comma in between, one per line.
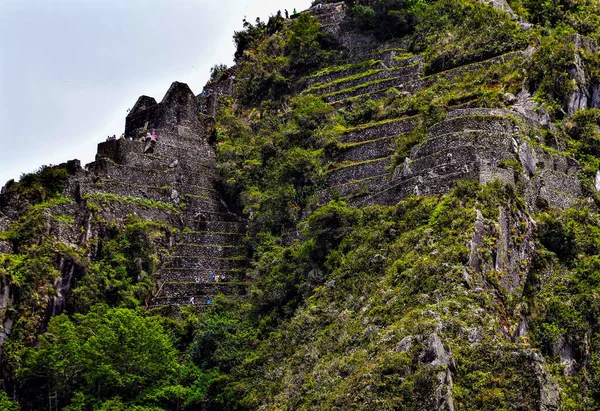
x=430, y=280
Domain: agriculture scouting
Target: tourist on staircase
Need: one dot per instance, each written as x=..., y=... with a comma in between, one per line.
x=151, y=140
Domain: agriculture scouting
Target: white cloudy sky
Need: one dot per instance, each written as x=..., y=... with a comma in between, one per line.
x=70, y=69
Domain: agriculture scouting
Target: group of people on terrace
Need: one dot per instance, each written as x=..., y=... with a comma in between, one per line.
x=212, y=278
x=144, y=136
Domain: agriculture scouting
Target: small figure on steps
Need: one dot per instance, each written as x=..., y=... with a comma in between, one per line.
x=192, y=300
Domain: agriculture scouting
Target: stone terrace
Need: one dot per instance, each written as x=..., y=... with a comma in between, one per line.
x=177, y=177
x=478, y=144
x=484, y=145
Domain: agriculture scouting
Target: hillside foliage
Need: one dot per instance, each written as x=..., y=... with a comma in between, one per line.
x=344, y=303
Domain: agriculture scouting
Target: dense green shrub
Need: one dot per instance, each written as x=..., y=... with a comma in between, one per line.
x=584, y=128
x=453, y=33
x=548, y=71
x=582, y=16
x=389, y=18
x=105, y=353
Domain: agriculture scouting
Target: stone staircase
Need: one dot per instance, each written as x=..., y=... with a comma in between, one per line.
x=177, y=177
x=360, y=164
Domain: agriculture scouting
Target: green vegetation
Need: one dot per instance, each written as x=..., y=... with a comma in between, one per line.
x=272, y=56
x=276, y=169
x=387, y=19
x=98, y=199
x=41, y=185
x=473, y=297
x=453, y=33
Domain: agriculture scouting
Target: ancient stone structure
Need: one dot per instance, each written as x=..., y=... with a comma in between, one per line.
x=484, y=145
x=178, y=171
x=171, y=181
x=470, y=144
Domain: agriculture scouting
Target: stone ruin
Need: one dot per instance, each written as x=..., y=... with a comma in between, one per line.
x=175, y=181
x=180, y=172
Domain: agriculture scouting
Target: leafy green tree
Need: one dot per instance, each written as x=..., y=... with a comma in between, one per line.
x=102, y=354
x=303, y=44
x=6, y=404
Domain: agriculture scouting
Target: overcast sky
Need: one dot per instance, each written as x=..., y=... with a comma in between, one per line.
x=70, y=69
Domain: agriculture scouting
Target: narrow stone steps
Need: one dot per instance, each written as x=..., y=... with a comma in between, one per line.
x=190, y=274
x=213, y=250
x=208, y=237
x=205, y=262
x=358, y=171
x=181, y=292
x=164, y=303
x=385, y=128
x=218, y=226
x=368, y=150
x=197, y=215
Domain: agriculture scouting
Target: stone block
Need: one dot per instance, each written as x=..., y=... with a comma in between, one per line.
x=190, y=274
x=379, y=130
x=358, y=171
x=216, y=251
x=207, y=237
x=210, y=290
x=371, y=150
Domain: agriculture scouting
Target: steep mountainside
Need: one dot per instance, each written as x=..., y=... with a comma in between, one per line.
x=381, y=206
